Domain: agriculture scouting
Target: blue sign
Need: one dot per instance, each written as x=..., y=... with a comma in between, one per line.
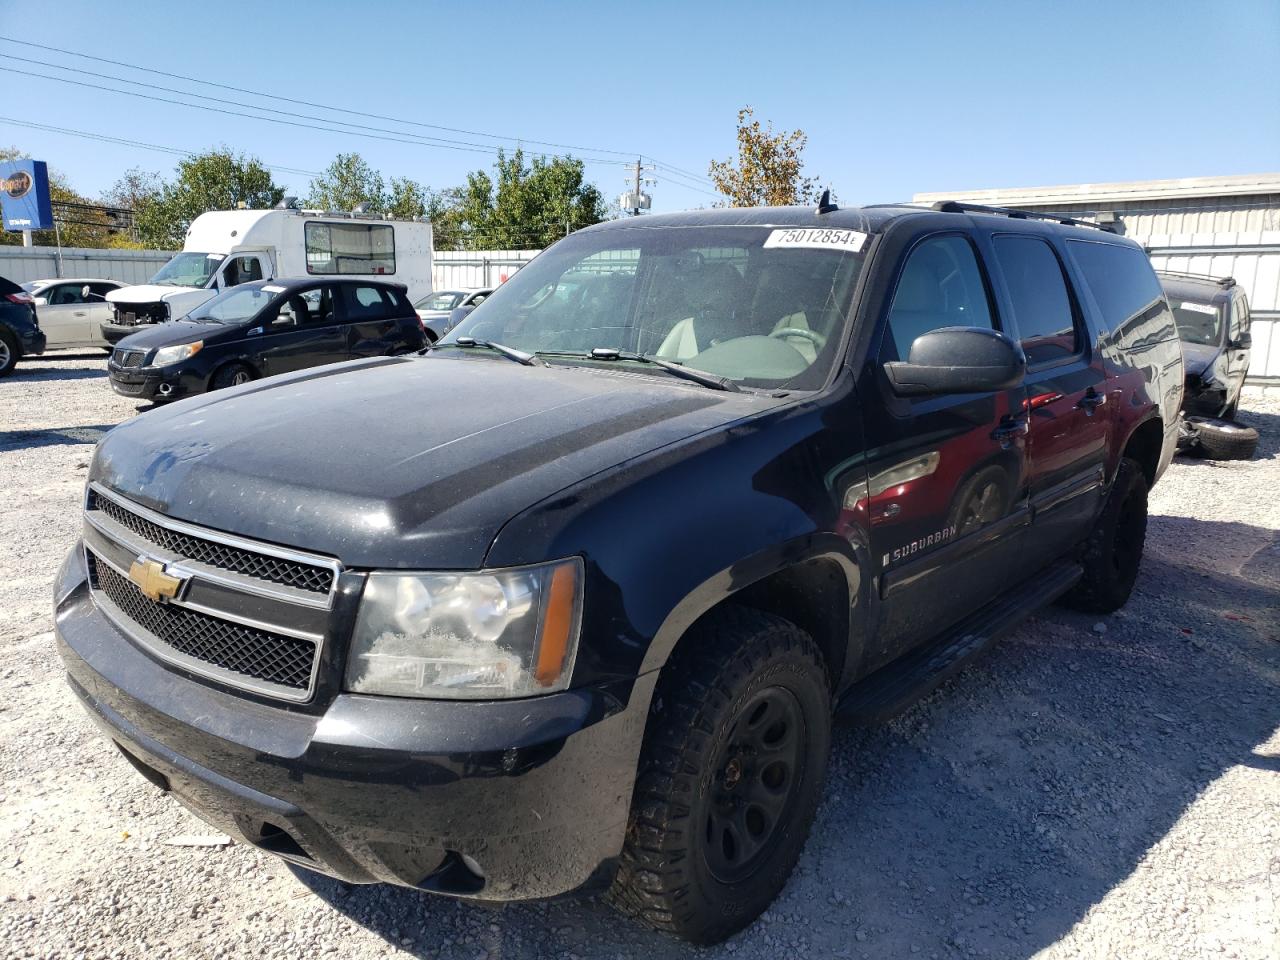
x=24, y=195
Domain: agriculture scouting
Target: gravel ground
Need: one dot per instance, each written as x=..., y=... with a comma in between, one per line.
x=1093, y=788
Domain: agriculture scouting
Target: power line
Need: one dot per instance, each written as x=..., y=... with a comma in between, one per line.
x=432, y=141
x=671, y=168
x=308, y=103
x=291, y=123
x=103, y=138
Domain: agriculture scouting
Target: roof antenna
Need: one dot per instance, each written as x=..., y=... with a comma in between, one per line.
x=824, y=204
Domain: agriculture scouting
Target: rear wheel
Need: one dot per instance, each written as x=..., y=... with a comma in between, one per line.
x=1113, y=552
x=8, y=353
x=730, y=776
x=232, y=375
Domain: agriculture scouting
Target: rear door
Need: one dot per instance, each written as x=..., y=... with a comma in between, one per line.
x=946, y=495
x=306, y=331
x=1068, y=403
x=370, y=326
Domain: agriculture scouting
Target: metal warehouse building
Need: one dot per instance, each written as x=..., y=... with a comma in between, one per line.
x=1221, y=226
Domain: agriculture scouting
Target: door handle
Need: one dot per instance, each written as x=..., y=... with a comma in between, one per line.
x=79, y=313
x=1091, y=401
x=1009, y=429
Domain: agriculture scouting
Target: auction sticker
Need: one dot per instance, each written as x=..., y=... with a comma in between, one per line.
x=816, y=239
x=1197, y=307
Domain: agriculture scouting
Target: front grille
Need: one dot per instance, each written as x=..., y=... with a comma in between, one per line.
x=130, y=358
x=261, y=655
x=128, y=388
x=289, y=573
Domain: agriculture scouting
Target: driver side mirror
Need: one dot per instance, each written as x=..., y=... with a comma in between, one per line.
x=40, y=301
x=1242, y=342
x=85, y=292
x=285, y=318
x=958, y=360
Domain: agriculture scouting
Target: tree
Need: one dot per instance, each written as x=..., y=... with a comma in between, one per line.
x=768, y=173
x=406, y=199
x=347, y=182
x=217, y=180
x=522, y=206
x=79, y=223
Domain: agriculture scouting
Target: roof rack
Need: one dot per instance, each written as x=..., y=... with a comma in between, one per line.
x=1225, y=282
x=955, y=206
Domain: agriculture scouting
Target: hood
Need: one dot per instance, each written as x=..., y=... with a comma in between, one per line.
x=155, y=335
x=412, y=462
x=1198, y=357
x=188, y=297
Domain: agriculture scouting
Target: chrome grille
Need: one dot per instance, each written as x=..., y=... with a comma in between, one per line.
x=268, y=657
x=245, y=613
x=300, y=576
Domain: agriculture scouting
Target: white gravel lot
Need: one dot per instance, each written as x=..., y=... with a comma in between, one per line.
x=1093, y=788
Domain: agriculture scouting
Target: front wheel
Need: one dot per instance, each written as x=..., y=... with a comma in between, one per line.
x=1113, y=552
x=730, y=776
x=232, y=375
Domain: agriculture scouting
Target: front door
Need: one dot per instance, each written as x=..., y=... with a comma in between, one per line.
x=946, y=496
x=65, y=316
x=306, y=332
x=1069, y=407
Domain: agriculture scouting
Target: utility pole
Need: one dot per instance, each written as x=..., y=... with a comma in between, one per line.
x=635, y=199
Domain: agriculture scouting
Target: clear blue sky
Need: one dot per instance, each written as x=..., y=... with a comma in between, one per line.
x=896, y=97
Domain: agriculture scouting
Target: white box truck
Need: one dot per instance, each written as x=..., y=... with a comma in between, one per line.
x=229, y=247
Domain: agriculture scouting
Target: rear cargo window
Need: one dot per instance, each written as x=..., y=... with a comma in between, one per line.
x=350, y=248
x=1123, y=284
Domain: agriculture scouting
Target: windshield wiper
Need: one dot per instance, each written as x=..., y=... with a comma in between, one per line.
x=678, y=369
x=511, y=353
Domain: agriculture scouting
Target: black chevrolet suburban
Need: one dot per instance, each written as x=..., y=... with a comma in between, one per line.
x=576, y=596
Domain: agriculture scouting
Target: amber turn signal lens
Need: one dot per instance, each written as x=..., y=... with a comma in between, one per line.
x=557, y=625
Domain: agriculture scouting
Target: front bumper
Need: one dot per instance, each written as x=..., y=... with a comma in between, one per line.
x=502, y=800
x=113, y=333
x=154, y=383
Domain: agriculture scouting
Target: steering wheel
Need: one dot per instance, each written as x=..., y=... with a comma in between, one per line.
x=816, y=339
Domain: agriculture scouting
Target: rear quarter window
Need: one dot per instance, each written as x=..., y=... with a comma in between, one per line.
x=1124, y=287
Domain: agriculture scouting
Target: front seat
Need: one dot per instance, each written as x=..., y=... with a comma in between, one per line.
x=715, y=295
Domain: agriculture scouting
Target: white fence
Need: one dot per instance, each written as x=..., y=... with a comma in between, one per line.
x=470, y=269
x=1253, y=259
x=21, y=264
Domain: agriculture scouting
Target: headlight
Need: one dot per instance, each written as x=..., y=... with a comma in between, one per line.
x=166, y=356
x=456, y=636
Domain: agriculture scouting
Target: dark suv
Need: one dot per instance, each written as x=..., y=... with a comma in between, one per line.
x=1212, y=316
x=20, y=333
x=576, y=596
x=259, y=329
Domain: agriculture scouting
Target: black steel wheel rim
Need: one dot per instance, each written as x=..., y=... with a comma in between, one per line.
x=755, y=778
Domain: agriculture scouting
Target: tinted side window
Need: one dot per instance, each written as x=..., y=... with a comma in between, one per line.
x=941, y=286
x=102, y=289
x=65, y=293
x=366, y=303
x=1041, y=303
x=319, y=306
x=1120, y=278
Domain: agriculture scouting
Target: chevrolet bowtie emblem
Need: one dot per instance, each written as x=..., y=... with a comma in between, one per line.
x=151, y=579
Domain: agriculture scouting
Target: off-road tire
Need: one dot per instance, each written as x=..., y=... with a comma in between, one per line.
x=713, y=687
x=227, y=376
x=1225, y=439
x=11, y=353
x=1113, y=552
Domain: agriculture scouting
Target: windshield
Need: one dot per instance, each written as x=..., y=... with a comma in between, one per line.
x=446, y=300
x=1197, y=322
x=236, y=305
x=762, y=306
x=189, y=269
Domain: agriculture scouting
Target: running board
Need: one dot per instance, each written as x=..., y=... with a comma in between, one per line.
x=896, y=686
